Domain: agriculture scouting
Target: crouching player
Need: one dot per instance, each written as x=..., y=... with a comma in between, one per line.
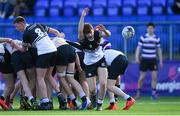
x=116, y=59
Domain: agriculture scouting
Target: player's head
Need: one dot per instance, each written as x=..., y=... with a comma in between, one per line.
x=88, y=30
x=20, y=23
x=150, y=28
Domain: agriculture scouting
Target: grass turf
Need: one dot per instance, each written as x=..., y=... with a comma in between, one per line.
x=144, y=106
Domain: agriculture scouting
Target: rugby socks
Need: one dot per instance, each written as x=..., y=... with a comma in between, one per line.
x=2, y=97
x=116, y=96
x=139, y=92
x=30, y=98
x=60, y=96
x=72, y=97
x=44, y=100
x=112, y=101
x=83, y=96
x=127, y=97
x=100, y=102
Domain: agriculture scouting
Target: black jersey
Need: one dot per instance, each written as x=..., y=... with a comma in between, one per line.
x=33, y=33
x=91, y=45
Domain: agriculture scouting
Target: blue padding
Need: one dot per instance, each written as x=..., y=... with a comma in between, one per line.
x=127, y=10
x=157, y=10
x=98, y=11
x=112, y=11
x=57, y=3
x=54, y=12
x=68, y=11
x=40, y=12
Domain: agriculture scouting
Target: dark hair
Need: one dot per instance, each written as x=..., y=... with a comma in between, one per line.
x=19, y=19
x=87, y=28
x=151, y=24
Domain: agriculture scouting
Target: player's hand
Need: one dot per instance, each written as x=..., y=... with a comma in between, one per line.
x=12, y=43
x=101, y=27
x=61, y=35
x=85, y=11
x=8, y=40
x=2, y=59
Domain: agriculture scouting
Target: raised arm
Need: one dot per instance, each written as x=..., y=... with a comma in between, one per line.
x=81, y=24
x=105, y=32
x=21, y=48
x=3, y=39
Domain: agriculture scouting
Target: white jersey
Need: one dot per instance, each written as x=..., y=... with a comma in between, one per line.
x=110, y=55
x=2, y=48
x=45, y=45
x=77, y=50
x=93, y=56
x=8, y=47
x=57, y=41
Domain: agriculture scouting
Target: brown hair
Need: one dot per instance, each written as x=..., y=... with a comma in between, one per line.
x=87, y=28
x=19, y=19
x=151, y=24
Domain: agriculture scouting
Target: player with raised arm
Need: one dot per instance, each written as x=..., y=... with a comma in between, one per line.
x=95, y=65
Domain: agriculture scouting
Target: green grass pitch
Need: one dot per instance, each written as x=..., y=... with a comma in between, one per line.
x=144, y=106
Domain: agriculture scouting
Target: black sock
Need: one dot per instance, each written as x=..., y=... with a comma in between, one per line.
x=84, y=99
x=2, y=97
x=112, y=103
x=129, y=99
x=74, y=102
x=116, y=96
x=58, y=93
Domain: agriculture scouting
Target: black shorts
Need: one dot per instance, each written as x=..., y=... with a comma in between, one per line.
x=65, y=54
x=34, y=55
x=6, y=66
x=91, y=70
x=118, y=67
x=46, y=60
x=22, y=60
x=148, y=64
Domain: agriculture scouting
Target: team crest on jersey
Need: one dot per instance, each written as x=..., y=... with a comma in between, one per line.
x=90, y=46
x=89, y=74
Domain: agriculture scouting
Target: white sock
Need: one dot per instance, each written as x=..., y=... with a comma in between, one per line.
x=100, y=101
x=72, y=97
x=126, y=96
x=44, y=100
x=82, y=94
x=112, y=101
x=88, y=101
x=30, y=97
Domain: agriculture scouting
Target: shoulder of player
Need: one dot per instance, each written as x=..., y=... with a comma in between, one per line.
x=156, y=37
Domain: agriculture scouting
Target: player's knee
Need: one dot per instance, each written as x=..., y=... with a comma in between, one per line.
x=109, y=86
x=92, y=89
x=103, y=82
